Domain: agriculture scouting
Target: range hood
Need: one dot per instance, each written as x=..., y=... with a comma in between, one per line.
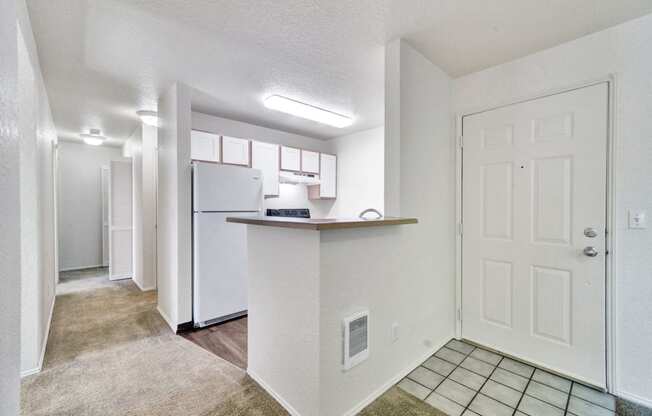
x=297, y=178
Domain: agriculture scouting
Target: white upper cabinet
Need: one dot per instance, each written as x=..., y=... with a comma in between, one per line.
x=328, y=176
x=265, y=157
x=235, y=151
x=204, y=146
x=290, y=158
x=309, y=161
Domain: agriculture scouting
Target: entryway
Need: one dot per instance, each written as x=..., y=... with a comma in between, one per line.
x=534, y=216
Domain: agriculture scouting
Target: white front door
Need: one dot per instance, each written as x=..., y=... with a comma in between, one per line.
x=534, y=184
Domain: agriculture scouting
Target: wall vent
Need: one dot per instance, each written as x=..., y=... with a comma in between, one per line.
x=356, y=339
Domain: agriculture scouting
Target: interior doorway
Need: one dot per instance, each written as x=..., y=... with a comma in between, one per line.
x=534, y=241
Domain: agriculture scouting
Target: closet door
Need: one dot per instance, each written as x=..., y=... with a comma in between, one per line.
x=120, y=221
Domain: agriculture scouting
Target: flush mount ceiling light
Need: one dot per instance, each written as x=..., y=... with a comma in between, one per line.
x=148, y=117
x=93, y=137
x=310, y=112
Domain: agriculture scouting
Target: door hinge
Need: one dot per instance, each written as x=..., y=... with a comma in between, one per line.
x=459, y=314
x=460, y=142
x=460, y=229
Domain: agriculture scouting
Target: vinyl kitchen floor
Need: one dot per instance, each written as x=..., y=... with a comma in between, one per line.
x=461, y=379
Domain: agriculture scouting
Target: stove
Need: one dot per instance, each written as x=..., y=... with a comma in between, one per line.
x=285, y=212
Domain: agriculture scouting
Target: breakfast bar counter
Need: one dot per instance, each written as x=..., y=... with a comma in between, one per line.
x=305, y=276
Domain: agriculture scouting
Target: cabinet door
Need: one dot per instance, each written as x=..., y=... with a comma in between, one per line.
x=235, y=151
x=264, y=156
x=290, y=158
x=204, y=146
x=328, y=176
x=309, y=161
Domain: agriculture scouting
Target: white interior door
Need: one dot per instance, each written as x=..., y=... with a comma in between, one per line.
x=120, y=221
x=105, y=216
x=534, y=178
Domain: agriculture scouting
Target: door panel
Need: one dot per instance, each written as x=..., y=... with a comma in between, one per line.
x=120, y=221
x=534, y=176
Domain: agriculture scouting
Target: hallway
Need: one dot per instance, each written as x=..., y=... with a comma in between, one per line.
x=109, y=352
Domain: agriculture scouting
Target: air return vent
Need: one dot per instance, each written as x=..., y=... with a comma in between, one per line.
x=356, y=339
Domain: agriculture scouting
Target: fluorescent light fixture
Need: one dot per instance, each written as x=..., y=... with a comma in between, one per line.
x=148, y=117
x=93, y=137
x=310, y=112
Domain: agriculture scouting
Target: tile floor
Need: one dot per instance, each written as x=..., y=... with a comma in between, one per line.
x=461, y=379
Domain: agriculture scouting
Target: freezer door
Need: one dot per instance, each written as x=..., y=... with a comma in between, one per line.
x=226, y=188
x=220, y=266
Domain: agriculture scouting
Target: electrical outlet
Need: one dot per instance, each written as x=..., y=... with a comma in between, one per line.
x=394, y=332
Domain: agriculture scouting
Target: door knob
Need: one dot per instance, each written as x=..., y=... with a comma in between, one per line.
x=590, y=232
x=590, y=251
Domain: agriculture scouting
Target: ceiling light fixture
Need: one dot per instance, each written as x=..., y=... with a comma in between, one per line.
x=93, y=137
x=148, y=117
x=310, y=112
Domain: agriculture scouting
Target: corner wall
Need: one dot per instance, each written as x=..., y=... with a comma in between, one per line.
x=173, y=239
x=37, y=211
x=623, y=50
x=10, y=213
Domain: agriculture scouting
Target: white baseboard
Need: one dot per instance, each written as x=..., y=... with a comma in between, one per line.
x=398, y=377
x=635, y=399
x=143, y=289
x=120, y=276
x=287, y=406
x=167, y=319
x=41, y=359
x=71, y=269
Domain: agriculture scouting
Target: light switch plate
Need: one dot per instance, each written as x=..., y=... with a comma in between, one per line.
x=637, y=219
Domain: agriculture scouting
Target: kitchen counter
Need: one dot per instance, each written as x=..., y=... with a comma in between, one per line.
x=320, y=223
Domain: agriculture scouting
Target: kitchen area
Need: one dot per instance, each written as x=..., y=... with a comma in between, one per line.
x=280, y=280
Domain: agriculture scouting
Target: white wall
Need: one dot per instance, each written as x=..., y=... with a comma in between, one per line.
x=360, y=172
x=290, y=196
x=10, y=213
x=624, y=51
x=80, y=203
x=38, y=141
x=174, y=206
x=134, y=148
x=420, y=182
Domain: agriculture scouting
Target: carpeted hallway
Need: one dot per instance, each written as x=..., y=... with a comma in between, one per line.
x=110, y=353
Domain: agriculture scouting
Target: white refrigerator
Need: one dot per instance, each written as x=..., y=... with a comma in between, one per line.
x=220, y=248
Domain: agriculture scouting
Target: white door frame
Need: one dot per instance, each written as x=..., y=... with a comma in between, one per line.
x=612, y=211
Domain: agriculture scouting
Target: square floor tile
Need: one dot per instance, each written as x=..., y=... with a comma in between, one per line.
x=477, y=366
x=594, y=396
x=439, y=366
x=466, y=377
x=552, y=380
x=414, y=388
x=426, y=377
x=547, y=394
x=486, y=356
x=536, y=407
x=486, y=406
x=581, y=407
x=445, y=405
x=503, y=394
x=450, y=355
x=460, y=346
x=509, y=379
x=516, y=367
x=456, y=392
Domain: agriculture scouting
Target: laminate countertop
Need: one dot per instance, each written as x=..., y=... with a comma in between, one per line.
x=320, y=223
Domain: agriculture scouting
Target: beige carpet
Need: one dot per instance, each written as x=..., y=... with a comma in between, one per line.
x=110, y=353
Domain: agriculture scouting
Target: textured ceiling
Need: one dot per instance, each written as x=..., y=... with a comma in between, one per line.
x=104, y=59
